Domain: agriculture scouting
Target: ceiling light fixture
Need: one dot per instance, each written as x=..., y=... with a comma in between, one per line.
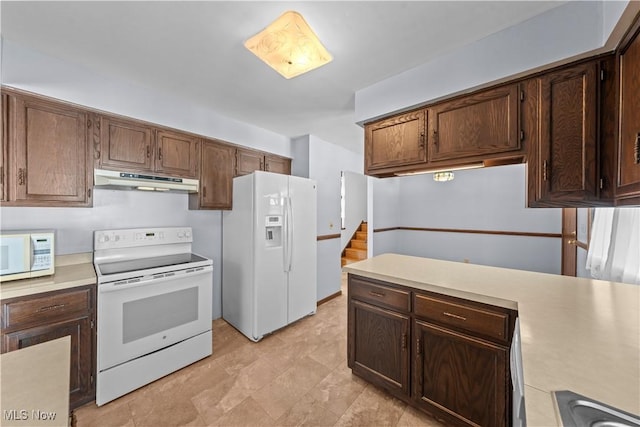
x=289, y=46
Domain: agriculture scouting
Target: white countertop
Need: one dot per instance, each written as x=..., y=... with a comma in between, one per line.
x=71, y=270
x=578, y=334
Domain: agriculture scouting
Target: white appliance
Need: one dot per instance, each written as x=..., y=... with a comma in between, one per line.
x=269, y=253
x=25, y=254
x=136, y=181
x=154, y=307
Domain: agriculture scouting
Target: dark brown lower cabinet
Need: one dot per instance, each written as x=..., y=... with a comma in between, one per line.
x=39, y=318
x=446, y=356
x=464, y=377
x=380, y=340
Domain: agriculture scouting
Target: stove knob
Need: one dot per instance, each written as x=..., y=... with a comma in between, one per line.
x=187, y=234
x=117, y=237
x=106, y=238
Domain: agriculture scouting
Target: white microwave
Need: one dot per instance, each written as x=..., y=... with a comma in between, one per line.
x=26, y=254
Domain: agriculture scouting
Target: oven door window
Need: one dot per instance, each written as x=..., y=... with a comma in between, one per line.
x=152, y=315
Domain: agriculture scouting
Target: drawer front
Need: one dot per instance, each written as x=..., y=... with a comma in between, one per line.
x=44, y=309
x=491, y=324
x=379, y=295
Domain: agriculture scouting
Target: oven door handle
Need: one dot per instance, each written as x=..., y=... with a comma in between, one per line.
x=150, y=280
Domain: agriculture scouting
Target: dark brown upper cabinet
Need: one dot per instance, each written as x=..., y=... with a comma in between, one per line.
x=475, y=125
x=50, y=153
x=136, y=146
x=628, y=173
x=248, y=161
x=126, y=145
x=277, y=164
x=396, y=141
x=216, y=177
x=567, y=171
x=177, y=153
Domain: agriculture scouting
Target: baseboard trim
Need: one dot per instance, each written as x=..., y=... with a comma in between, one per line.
x=330, y=297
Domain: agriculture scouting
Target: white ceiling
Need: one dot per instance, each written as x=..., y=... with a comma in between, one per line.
x=194, y=50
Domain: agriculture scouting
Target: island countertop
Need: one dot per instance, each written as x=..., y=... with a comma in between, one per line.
x=577, y=334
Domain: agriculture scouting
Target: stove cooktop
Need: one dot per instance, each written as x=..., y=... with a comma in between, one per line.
x=128, y=266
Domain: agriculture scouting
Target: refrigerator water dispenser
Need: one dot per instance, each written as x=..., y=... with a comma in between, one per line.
x=273, y=231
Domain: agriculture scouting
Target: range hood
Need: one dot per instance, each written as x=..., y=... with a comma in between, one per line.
x=136, y=181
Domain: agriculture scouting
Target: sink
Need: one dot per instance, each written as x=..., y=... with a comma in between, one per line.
x=577, y=411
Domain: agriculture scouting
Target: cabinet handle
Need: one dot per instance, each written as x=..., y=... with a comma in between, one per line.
x=377, y=294
x=422, y=141
x=148, y=151
x=545, y=170
x=455, y=316
x=89, y=193
x=435, y=137
x=636, y=150
x=266, y=166
x=204, y=191
x=404, y=341
x=418, y=348
x=50, y=307
x=159, y=153
x=21, y=176
x=1, y=175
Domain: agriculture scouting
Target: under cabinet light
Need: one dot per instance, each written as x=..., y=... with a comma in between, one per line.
x=435, y=171
x=289, y=46
x=443, y=176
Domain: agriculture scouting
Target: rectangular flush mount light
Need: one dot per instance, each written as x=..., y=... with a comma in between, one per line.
x=289, y=46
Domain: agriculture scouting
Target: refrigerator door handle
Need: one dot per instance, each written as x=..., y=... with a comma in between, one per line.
x=290, y=232
x=285, y=235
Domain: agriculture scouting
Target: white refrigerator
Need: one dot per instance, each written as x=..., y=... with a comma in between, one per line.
x=269, y=253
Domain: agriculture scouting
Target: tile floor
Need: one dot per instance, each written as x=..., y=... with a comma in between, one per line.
x=296, y=376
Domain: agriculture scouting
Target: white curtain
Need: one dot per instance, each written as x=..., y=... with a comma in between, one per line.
x=614, y=249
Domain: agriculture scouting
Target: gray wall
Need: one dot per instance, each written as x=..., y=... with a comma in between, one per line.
x=490, y=199
x=563, y=32
x=326, y=162
x=124, y=209
x=32, y=71
x=355, y=204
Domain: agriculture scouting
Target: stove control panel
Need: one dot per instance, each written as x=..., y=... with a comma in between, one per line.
x=114, y=239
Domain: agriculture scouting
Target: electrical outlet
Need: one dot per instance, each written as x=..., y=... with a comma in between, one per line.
x=331, y=225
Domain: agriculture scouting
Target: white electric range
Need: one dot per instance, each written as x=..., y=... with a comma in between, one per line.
x=154, y=306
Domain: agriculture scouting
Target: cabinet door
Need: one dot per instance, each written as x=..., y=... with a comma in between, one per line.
x=277, y=164
x=177, y=154
x=49, y=145
x=567, y=153
x=629, y=143
x=125, y=145
x=81, y=382
x=216, y=177
x=481, y=124
x=3, y=148
x=398, y=141
x=378, y=346
x=248, y=161
x=460, y=377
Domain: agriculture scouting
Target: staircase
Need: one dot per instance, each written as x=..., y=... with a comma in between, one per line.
x=356, y=250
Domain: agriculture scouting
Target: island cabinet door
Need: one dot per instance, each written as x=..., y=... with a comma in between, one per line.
x=379, y=346
x=459, y=378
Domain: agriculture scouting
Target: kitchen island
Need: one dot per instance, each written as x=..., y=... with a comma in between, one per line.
x=576, y=334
